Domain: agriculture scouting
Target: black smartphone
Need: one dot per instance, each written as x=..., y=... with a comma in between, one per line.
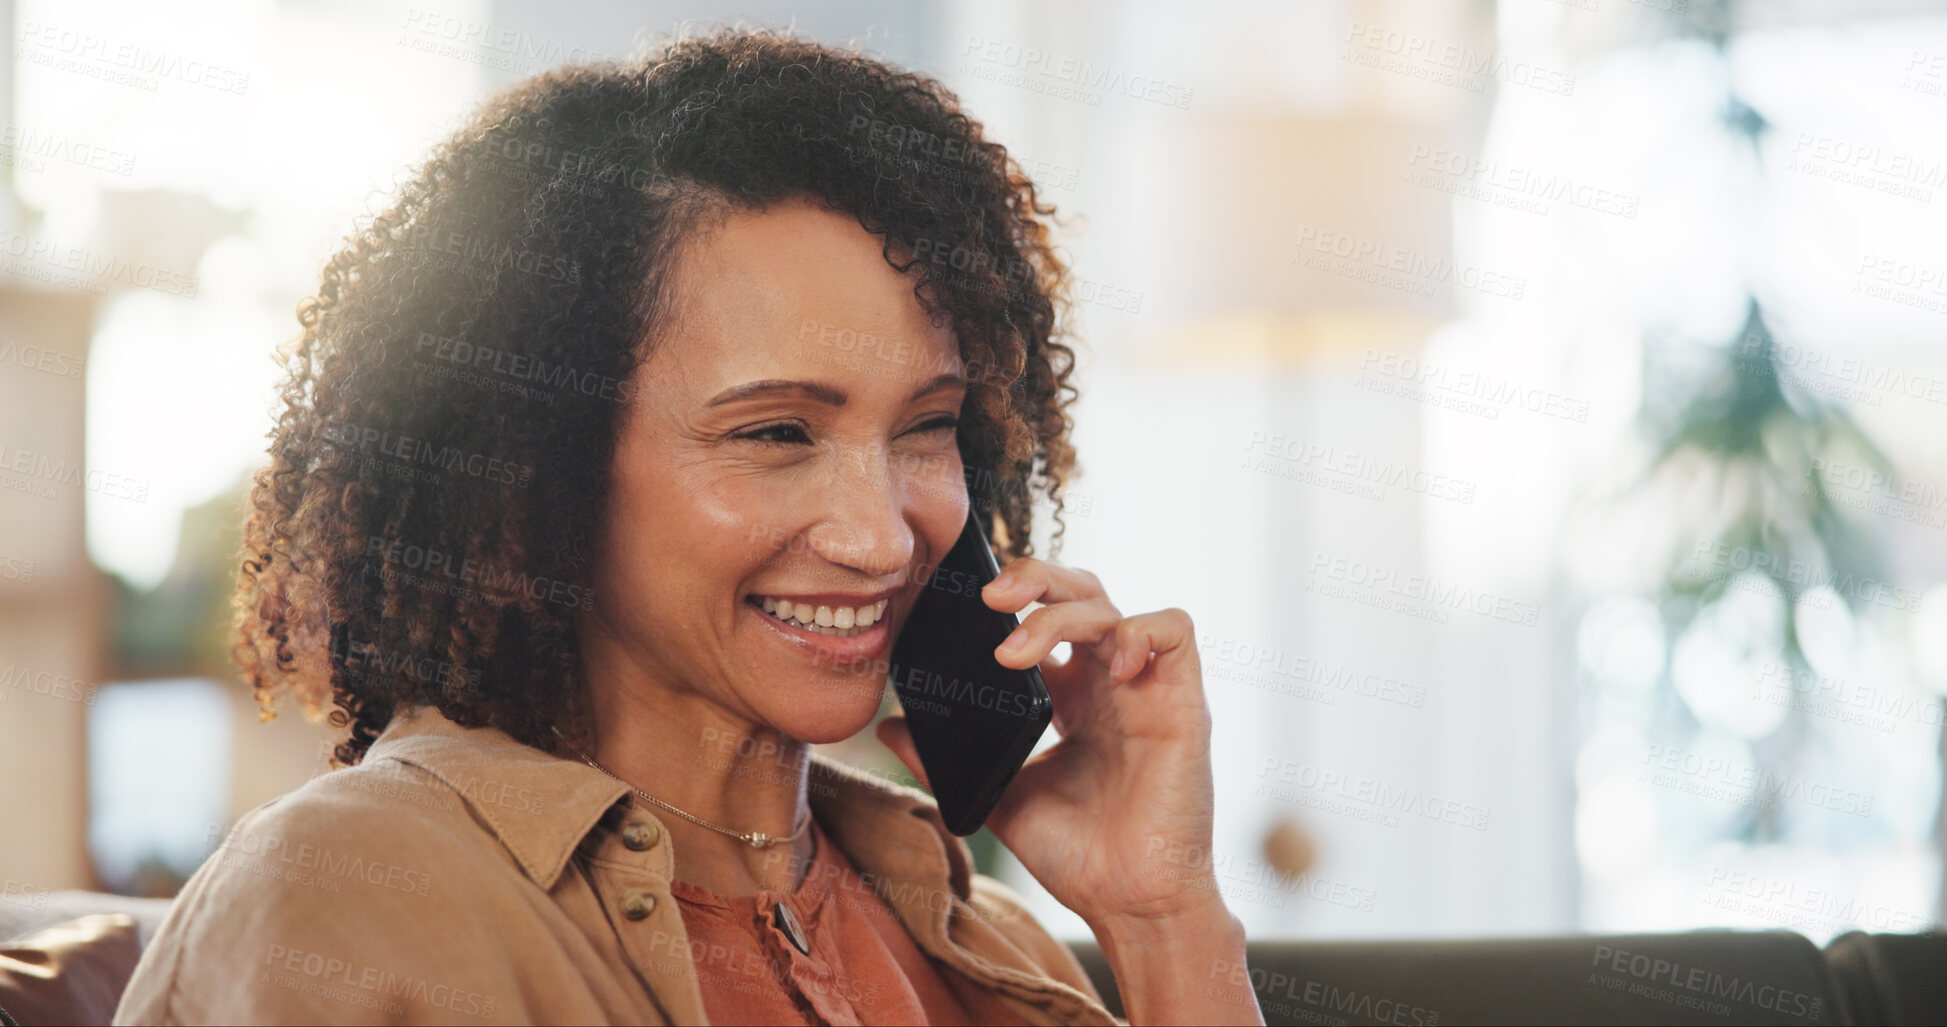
x=973, y=721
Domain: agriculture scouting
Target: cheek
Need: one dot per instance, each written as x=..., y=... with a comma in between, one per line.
x=940, y=492
x=671, y=537
x=722, y=524
x=737, y=528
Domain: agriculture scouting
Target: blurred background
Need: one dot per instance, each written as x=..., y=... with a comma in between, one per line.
x=1538, y=405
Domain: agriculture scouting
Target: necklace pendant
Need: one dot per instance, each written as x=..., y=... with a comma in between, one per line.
x=759, y=839
x=787, y=922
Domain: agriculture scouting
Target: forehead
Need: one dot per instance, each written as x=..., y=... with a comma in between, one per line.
x=800, y=290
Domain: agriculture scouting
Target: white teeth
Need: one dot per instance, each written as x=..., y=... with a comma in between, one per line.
x=841, y=621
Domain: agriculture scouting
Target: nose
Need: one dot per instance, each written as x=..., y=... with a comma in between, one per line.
x=866, y=502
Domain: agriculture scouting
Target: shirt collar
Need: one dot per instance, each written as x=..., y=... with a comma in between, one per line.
x=540, y=807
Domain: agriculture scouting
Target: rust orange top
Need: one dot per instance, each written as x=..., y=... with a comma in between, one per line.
x=859, y=964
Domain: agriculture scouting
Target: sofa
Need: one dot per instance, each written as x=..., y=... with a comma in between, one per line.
x=65, y=956
x=1696, y=977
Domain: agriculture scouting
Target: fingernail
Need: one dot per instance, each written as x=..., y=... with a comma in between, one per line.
x=1015, y=640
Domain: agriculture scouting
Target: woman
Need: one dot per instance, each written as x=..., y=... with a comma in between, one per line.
x=613, y=457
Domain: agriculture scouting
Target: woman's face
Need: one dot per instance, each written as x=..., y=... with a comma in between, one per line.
x=790, y=440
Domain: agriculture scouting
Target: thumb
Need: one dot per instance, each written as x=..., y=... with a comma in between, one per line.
x=894, y=734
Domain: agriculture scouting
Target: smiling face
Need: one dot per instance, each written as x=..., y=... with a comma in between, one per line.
x=791, y=441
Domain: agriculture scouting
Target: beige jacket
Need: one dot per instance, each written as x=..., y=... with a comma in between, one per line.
x=457, y=876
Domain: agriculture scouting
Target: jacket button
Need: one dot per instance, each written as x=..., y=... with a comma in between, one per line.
x=640, y=835
x=638, y=903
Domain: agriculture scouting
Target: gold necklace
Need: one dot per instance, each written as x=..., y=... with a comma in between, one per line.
x=756, y=839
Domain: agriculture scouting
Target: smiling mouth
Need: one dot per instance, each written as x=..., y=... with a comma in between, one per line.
x=837, y=622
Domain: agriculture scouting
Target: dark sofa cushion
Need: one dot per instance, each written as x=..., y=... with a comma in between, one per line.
x=70, y=973
x=1702, y=977
x=1893, y=979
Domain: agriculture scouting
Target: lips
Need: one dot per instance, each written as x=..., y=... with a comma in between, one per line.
x=827, y=645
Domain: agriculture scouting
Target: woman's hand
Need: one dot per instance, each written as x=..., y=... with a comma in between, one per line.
x=1114, y=819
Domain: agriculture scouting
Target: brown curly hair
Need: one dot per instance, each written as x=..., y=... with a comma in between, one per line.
x=451, y=405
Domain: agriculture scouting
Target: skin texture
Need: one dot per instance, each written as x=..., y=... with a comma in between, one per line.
x=852, y=498
x=862, y=497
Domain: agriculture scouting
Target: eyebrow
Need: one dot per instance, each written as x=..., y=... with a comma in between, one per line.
x=824, y=393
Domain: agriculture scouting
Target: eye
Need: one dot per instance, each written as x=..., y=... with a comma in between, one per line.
x=793, y=434
x=949, y=423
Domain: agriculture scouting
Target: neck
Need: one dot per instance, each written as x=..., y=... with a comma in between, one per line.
x=680, y=746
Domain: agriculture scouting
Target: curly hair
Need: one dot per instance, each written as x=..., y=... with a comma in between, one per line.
x=450, y=407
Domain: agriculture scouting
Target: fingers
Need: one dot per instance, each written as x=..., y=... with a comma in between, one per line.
x=1060, y=674
x=1028, y=580
x=1076, y=609
x=1169, y=634
x=1069, y=689
x=1082, y=622
x=1126, y=647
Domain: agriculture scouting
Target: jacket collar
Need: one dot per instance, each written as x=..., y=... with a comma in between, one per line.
x=540, y=807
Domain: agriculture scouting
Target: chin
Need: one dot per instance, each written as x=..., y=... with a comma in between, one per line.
x=843, y=709
x=817, y=688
